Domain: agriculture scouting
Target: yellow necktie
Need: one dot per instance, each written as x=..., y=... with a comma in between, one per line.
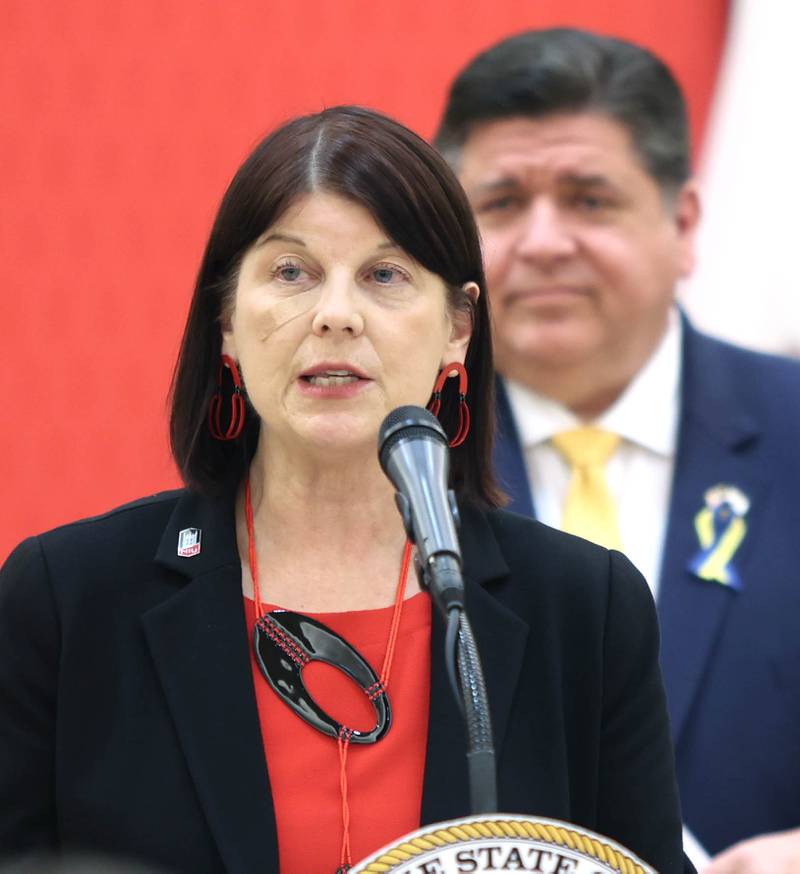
x=589, y=510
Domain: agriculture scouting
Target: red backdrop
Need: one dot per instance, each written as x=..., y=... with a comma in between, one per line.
x=121, y=125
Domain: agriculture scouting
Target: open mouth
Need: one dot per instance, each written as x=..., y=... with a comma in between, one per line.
x=330, y=378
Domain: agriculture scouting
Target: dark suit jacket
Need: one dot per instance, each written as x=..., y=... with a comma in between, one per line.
x=128, y=720
x=731, y=659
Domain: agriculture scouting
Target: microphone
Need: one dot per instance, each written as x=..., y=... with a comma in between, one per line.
x=414, y=455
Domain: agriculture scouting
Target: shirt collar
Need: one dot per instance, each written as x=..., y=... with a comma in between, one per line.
x=646, y=413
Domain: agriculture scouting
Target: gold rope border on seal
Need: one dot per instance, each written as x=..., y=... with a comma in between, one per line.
x=505, y=828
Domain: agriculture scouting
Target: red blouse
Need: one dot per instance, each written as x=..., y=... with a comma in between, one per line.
x=384, y=779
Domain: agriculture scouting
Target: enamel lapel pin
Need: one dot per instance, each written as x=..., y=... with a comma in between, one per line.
x=721, y=527
x=189, y=542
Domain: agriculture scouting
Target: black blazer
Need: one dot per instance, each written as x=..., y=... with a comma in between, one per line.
x=128, y=721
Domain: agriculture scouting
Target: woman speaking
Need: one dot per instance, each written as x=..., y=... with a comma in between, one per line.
x=153, y=701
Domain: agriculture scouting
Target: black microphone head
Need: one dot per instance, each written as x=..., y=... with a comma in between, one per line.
x=404, y=423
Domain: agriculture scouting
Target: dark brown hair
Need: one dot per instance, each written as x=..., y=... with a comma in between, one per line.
x=413, y=196
x=562, y=69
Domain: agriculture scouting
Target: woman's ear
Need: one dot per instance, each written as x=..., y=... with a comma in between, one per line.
x=229, y=345
x=472, y=291
x=226, y=330
x=461, y=324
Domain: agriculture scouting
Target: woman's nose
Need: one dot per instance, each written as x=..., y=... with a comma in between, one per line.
x=338, y=311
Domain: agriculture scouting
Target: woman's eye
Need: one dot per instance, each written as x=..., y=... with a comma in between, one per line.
x=288, y=272
x=386, y=274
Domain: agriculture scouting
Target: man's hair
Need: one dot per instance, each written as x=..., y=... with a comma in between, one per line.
x=563, y=70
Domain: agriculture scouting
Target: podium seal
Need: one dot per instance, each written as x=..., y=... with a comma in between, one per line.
x=503, y=842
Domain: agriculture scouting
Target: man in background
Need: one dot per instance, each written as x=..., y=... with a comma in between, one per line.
x=620, y=422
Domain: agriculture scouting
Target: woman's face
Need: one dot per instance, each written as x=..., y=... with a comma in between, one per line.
x=334, y=326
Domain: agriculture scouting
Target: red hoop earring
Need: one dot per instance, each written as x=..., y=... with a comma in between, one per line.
x=463, y=410
x=236, y=423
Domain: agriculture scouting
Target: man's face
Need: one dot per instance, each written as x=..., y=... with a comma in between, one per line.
x=582, y=249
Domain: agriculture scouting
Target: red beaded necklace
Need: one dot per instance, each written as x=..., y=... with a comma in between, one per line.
x=283, y=633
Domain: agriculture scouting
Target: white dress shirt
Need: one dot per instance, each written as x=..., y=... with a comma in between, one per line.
x=639, y=474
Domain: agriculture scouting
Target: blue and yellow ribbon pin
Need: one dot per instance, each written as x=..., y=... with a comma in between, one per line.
x=721, y=528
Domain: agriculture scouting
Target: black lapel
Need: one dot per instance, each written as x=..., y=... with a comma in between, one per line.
x=508, y=457
x=717, y=444
x=200, y=646
x=501, y=637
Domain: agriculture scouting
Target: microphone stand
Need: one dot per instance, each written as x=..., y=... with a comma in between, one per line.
x=442, y=577
x=412, y=450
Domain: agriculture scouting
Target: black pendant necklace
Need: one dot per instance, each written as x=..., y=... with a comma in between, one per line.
x=286, y=642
